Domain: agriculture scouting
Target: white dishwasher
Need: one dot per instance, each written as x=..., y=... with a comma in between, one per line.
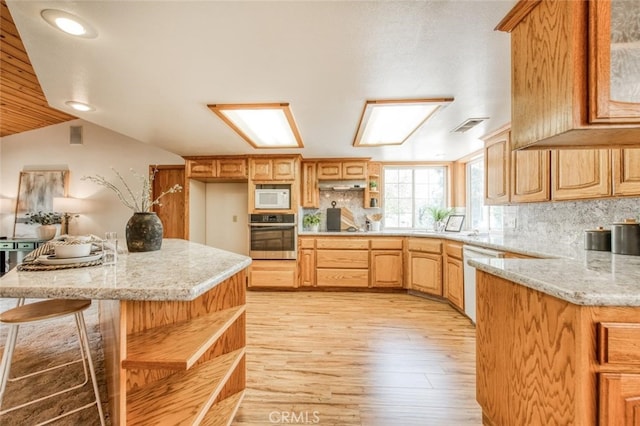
x=472, y=252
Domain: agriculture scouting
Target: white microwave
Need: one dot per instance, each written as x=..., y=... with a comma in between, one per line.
x=272, y=199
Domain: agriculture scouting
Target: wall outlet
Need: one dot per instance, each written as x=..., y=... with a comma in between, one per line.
x=509, y=222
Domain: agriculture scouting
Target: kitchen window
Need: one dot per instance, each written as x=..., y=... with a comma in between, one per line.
x=479, y=216
x=408, y=193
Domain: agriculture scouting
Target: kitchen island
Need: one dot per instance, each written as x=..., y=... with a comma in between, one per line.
x=173, y=327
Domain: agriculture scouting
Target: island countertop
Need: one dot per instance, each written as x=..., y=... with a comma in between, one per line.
x=180, y=270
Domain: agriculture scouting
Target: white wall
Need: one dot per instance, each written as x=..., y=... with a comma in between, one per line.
x=197, y=211
x=101, y=150
x=226, y=217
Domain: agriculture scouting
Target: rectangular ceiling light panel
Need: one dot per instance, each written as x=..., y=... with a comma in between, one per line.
x=262, y=125
x=391, y=122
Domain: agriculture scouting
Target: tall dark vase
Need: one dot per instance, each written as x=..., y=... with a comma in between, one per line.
x=144, y=232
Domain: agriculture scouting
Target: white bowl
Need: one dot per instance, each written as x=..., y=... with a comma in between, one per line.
x=64, y=251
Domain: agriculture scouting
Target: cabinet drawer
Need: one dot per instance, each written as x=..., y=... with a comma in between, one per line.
x=6, y=246
x=351, y=259
x=427, y=245
x=342, y=243
x=26, y=246
x=342, y=278
x=305, y=243
x=619, y=343
x=273, y=273
x=453, y=250
x=386, y=243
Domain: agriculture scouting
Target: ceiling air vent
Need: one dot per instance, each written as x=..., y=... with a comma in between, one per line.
x=468, y=124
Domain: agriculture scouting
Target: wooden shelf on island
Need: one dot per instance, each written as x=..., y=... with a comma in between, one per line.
x=178, y=346
x=185, y=397
x=223, y=412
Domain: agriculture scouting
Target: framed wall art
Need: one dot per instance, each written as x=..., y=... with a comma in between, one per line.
x=454, y=223
x=36, y=190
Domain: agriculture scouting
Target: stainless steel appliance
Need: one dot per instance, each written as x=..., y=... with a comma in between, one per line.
x=473, y=252
x=273, y=236
x=272, y=199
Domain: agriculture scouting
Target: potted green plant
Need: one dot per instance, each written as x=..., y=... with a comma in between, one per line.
x=439, y=214
x=311, y=221
x=373, y=185
x=47, y=221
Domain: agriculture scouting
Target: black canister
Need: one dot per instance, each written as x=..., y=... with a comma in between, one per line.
x=625, y=237
x=597, y=239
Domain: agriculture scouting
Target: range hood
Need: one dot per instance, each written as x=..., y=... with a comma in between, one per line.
x=342, y=185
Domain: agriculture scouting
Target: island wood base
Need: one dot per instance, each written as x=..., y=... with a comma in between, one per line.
x=176, y=362
x=542, y=360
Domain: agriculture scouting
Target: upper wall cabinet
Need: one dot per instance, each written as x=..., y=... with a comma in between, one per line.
x=626, y=172
x=273, y=168
x=310, y=195
x=496, y=166
x=216, y=167
x=575, y=67
x=346, y=170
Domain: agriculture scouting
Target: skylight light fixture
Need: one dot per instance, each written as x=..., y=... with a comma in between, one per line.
x=68, y=23
x=391, y=122
x=262, y=125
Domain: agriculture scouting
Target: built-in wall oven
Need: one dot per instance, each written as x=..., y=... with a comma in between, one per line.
x=273, y=236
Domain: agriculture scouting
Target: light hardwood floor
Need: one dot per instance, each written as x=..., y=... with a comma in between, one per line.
x=337, y=358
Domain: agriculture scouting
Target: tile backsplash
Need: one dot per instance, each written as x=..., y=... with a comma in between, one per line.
x=566, y=221
x=353, y=200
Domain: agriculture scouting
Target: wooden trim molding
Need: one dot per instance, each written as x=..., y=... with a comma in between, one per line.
x=520, y=11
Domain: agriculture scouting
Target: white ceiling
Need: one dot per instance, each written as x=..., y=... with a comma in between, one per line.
x=155, y=65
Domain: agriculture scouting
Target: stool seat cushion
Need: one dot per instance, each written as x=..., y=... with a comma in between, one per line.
x=46, y=309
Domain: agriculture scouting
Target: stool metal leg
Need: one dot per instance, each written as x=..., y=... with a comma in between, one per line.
x=82, y=329
x=5, y=368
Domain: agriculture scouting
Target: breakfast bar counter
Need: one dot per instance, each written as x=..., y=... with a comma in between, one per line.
x=173, y=329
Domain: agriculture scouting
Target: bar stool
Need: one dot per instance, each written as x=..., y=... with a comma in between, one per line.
x=41, y=311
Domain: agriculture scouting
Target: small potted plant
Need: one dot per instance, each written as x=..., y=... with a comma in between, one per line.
x=373, y=186
x=311, y=222
x=47, y=221
x=439, y=214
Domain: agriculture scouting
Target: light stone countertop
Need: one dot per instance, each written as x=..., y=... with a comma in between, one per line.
x=569, y=272
x=180, y=270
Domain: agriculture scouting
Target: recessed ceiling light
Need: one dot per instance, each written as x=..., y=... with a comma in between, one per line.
x=262, y=125
x=391, y=122
x=80, y=106
x=68, y=23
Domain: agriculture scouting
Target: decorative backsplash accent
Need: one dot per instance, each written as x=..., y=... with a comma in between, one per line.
x=566, y=221
x=354, y=200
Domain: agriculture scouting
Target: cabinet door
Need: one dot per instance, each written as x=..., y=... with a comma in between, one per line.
x=614, y=61
x=284, y=168
x=173, y=211
x=310, y=193
x=386, y=268
x=205, y=168
x=329, y=170
x=530, y=176
x=261, y=168
x=354, y=170
x=626, y=171
x=307, y=262
x=233, y=168
x=580, y=173
x=425, y=273
x=619, y=399
x=496, y=166
x=454, y=282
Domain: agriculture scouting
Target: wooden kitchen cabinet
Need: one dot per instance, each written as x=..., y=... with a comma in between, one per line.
x=626, y=171
x=373, y=190
x=307, y=261
x=342, y=170
x=273, y=273
x=342, y=262
x=619, y=399
x=573, y=76
x=454, y=274
x=424, y=265
x=273, y=168
x=175, y=223
x=310, y=194
x=386, y=262
x=580, y=174
x=497, y=164
x=216, y=167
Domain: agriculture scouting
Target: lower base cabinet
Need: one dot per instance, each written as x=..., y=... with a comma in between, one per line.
x=425, y=273
x=386, y=268
x=273, y=274
x=542, y=360
x=454, y=274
